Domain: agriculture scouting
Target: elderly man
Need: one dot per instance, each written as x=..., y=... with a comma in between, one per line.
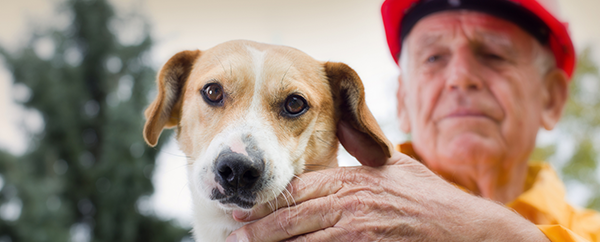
x=479, y=78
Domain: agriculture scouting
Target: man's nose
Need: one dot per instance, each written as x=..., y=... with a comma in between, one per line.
x=463, y=72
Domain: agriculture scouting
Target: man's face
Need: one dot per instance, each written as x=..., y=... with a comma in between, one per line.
x=471, y=91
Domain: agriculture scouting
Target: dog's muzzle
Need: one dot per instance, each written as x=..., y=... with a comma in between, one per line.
x=239, y=176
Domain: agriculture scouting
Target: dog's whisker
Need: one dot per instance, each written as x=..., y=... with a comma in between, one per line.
x=174, y=169
x=286, y=199
x=315, y=167
x=230, y=70
x=326, y=142
x=270, y=204
x=291, y=197
x=301, y=180
x=176, y=155
x=275, y=206
x=320, y=171
x=282, y=85
x=275, y=199
x=183, y=187
x=284, y=194
x=318, y=165
x=312, y=170
x=221, y=64
x=317, y=170
x=294, y=201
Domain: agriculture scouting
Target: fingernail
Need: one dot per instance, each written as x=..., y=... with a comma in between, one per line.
x=231, y=238
x=240, y=215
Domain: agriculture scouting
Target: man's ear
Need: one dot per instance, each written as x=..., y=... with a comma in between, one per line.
x=401, y=108
x=165, y=110
x=358, y=130
x=555, y=96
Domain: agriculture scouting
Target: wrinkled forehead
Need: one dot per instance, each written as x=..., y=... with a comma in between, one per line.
x=477, y=27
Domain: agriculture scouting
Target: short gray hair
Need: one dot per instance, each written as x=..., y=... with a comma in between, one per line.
x=544, y=58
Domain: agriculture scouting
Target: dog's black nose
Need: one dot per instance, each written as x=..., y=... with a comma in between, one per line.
x=237, y=171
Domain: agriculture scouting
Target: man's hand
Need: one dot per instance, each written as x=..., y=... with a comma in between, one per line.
x=400, y=201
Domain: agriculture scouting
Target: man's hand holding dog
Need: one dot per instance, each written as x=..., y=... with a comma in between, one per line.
x=401, y=200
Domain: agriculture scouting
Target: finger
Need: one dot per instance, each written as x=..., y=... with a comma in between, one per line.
x=331, y=234
x=313, y=215
x=306, y=186
x=400, y=158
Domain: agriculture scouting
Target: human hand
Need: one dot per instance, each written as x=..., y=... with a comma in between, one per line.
x=400, y=201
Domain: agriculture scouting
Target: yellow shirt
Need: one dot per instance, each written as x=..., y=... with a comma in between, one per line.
x=543, y=203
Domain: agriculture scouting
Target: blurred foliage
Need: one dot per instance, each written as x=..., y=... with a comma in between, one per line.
x=86, y=175
x=580, y=128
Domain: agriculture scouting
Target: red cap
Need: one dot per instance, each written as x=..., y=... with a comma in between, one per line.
x=559, y=41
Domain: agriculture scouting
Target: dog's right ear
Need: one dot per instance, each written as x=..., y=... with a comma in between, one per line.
x=165, y=110
x=359, y=134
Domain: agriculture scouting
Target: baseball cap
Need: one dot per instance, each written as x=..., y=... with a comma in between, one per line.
x=399, y=16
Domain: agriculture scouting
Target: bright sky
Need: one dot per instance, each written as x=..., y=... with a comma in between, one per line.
x=338, y=30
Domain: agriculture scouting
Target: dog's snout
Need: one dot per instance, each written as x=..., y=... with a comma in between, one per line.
x=237, y=171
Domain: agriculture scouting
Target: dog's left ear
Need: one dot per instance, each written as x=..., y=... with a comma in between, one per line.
x=358, y=130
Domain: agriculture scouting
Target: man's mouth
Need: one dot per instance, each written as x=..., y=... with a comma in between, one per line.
x=466, y=113
x=245, y=201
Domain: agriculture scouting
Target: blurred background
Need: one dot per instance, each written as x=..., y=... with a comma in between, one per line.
x=75, y=77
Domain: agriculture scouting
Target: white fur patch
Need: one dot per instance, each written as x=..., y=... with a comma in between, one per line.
x=258, y=60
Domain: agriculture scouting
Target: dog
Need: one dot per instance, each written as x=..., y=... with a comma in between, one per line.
x=250, y=117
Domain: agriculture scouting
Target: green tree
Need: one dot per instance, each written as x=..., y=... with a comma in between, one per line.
x=580, y=129
x=87, y=171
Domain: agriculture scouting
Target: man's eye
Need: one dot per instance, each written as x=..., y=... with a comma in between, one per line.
x=433, y=58
x=491, y=56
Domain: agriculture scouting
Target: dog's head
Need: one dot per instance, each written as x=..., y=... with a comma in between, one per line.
x=251, y=116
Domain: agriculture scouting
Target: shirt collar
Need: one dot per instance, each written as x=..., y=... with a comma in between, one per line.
x=543, y=198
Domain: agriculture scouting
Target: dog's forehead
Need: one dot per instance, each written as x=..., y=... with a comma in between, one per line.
x=249, y=49
x=248, y=61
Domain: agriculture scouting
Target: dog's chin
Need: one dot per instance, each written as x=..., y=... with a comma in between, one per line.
x=235, y=201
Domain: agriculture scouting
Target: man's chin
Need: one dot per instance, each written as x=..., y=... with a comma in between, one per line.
x=470, y=149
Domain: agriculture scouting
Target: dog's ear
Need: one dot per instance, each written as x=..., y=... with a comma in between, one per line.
x=349, y=95
x=165, y=110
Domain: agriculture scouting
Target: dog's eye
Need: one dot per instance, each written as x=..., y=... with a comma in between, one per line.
x=295, y=105
x=213, y=93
